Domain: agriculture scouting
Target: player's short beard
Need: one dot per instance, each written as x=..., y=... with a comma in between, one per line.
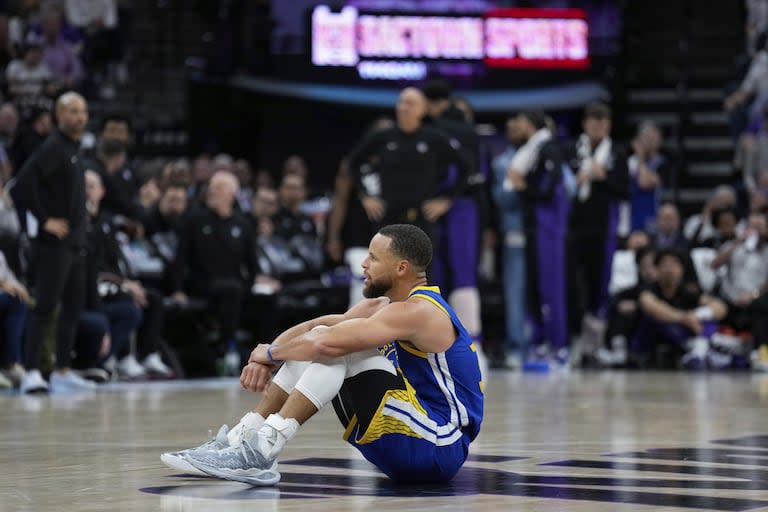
x=377, y=289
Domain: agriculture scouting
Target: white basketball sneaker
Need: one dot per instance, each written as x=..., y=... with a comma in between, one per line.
x=70, y=381
x=33, y=382
x=177, y=460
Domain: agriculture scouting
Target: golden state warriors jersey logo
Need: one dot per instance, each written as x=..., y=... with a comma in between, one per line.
x=389, y=351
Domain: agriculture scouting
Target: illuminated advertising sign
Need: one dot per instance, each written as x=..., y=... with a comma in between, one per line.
x=396, y=46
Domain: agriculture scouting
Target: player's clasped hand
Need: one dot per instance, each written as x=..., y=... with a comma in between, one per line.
x=259, y=355
x=256, y=377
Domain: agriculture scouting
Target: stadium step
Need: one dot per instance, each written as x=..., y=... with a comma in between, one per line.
x=676, y=78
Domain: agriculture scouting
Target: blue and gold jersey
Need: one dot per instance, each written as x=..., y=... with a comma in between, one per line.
x=447, y=385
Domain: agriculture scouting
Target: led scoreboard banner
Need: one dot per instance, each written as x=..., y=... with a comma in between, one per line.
x=401, y=46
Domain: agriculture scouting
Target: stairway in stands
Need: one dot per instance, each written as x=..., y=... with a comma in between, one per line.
x=163, y=33
x=678, y=56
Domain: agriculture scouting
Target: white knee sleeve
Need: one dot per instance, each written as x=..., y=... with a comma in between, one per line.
x=466, y=303
x=290, y=373
x=321, y=382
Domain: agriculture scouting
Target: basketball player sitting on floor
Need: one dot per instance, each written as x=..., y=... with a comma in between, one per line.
x=413, y=419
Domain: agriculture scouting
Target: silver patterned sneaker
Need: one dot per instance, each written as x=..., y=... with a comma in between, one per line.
x=178, y=461
x=244, y=463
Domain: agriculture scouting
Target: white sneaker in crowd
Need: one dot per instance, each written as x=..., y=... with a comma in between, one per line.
x=155, y=367
x=33, y=382
x=96, y=375
x=513, y=361
x=5, y=382
x=696, y=357
x=129, y=368
x=70, y=381
x=16, y=374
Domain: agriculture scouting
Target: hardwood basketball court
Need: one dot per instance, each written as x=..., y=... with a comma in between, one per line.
x=597, y=441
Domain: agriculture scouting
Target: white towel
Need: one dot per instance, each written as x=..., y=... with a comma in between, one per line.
x=600, y=156
x=526, y=156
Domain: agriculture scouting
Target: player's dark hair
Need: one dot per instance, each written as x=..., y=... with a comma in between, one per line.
x=410, y=243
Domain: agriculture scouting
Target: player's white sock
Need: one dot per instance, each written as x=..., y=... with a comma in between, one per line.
x=250, y=420
x=275, y=433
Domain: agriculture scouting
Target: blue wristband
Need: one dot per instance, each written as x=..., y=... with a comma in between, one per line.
x=269, y=355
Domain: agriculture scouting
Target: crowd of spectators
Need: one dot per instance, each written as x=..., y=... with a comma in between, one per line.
x=161, y=238
x=594, y=267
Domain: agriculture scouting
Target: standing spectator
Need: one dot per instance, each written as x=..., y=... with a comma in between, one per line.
x=647, y=170
x=757, y=21
x=673, y=314
x=698, y=228
x=751, y=155
x=289, y=221
x=667, y=234
x=412, y=162
x=536, y=173
x=510, y=208
x=349, y=228
x=58, y=53
x=748, y=101
x=51, y=186
x=30, y=76
x=603, y=182
x=458, y=240
x=216, y=258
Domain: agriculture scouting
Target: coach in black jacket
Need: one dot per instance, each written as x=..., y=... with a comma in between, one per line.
x=51, y=186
